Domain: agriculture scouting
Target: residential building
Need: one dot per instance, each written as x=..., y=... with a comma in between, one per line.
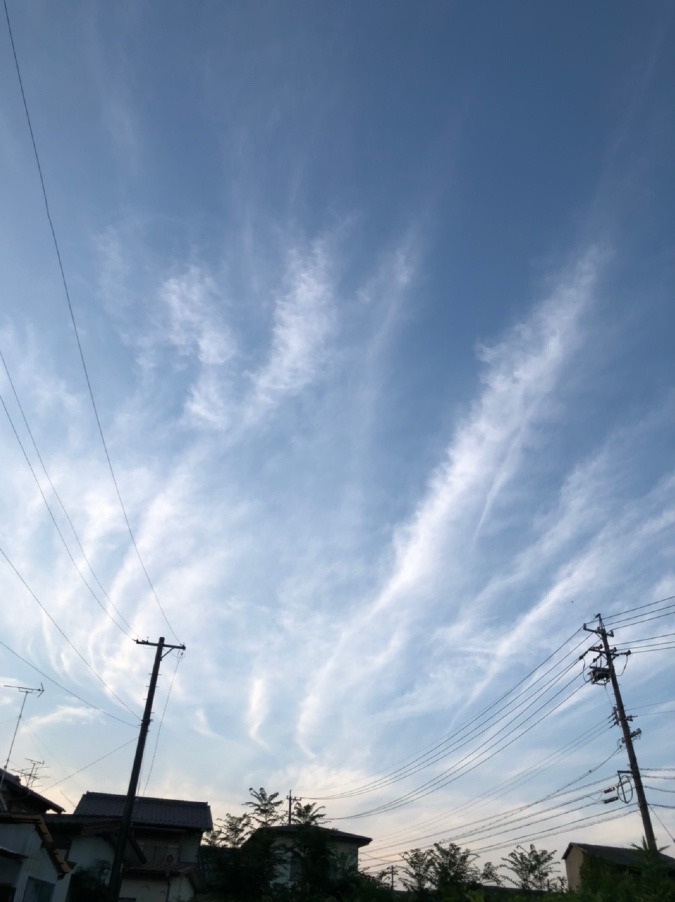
x=31, y=867
x=290, y=841
x=161, y=858
x=609, y=858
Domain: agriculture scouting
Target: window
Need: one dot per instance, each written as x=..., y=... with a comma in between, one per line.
x=161, y=852
x=38, y=891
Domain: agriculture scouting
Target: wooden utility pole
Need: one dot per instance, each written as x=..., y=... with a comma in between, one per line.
x=607, y=673
x=115, y=882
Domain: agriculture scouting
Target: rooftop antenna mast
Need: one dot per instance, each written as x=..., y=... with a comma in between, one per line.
x=26, y=690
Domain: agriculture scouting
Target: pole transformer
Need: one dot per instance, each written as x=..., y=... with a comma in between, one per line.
x=115, y=882
x=607, y=673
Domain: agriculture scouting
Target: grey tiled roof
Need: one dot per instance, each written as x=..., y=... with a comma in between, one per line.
x=148, y=811
x=23, y=797
x=339, y=835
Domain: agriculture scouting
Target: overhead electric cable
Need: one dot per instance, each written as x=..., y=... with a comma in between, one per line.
x=541, y=834
x=450, y=774
x=667, y=611
x=516, y=781
x=126, y=632
x=179, y=658
x=440, y=749
x=63, y=634
x=91, y=764
x=65, y=688
x=641, y=607
x=53, y=488
x=74, y=323
x=497, y=821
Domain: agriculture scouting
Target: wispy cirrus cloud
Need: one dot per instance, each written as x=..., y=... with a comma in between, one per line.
x=194, y=324
x=303, y=320
x=520, y=373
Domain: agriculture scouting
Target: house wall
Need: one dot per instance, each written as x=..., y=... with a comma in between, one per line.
x=87, y=851
x=24, y=838
x=346, y=857
x=347, y=854
x=152, y=841
x=573, y=862
x=143, y=890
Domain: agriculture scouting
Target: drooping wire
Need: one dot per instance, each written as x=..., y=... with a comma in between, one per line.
x=491, y=823
x=128, y=631
x=63, y=634
x=440, y=748
x=75, y=327
x=550, y=831
x=65, y=688
x=179, y=658
x=91, y=764
x=640, y=607
x=472, y=762
x=517, y=780
x=667, y=831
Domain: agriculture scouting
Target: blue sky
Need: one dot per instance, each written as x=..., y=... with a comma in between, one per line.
x=376, y=302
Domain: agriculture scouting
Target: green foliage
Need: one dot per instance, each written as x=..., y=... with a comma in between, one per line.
x=490, y=874
x=452, y=871
x=264, y=807
x=90, y=884
x=231, y=831
x=417, y=871
x=651, y=881
x=531, y=868
x=309, y=815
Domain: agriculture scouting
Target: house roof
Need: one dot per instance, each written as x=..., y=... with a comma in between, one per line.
x=338, y=835
x=27, y=798
x=619, y=855
x=149, y=812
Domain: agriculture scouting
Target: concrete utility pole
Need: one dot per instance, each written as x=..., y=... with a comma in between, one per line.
x=115, y=882
x=607, y=673
x=291, y=798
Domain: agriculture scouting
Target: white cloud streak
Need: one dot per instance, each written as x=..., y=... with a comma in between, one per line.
x=521, y=372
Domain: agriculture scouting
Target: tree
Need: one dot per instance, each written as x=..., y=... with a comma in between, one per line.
x=417, y=872
x=90, y=884
x=490, y=874
x=309, y=815
x=531, y=868
x=231, y=831
x=452, y=868
x=264, y=807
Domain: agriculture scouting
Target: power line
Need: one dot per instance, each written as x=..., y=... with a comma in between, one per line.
x=517, y=780
x=496, y=822
x=450, y=774
x=450, y=742
x=60, y=630
x=74, y=323
x=65, y=688
x=589, y=821
x=179, y=658
x=666, y=611
x=126, y=632
x=641, y=607
x=91, y=764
